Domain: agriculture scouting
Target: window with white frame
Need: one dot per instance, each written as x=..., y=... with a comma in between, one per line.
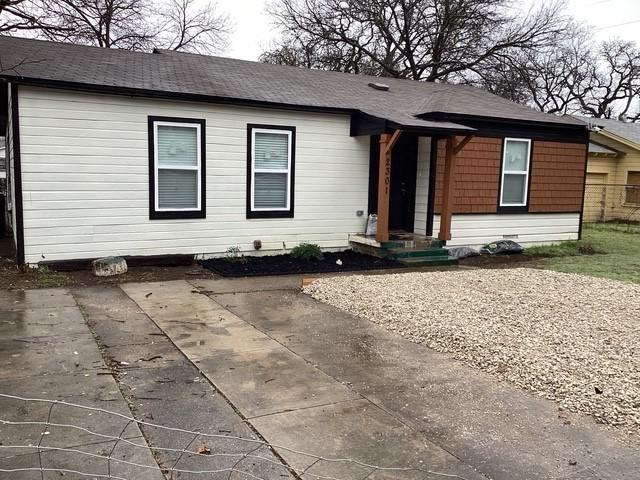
x=177, y=164
x=271, y=169
x=515, y=172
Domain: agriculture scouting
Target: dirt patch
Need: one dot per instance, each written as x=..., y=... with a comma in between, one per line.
x=286, y=264
x=12, y=277
x=489, y=261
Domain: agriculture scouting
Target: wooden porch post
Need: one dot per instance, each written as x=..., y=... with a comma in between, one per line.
x=447, y=191
x=384, y=186
x=387, y=141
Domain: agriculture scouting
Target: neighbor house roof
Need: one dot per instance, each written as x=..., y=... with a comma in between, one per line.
x=624, y=130
x=407, y=102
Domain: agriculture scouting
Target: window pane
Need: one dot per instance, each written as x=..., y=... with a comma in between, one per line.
x=177, y=145
x=271, y=150
x=516, y=156
x=270, y=190
x=633, y=188
x=513, y=188
x=177, y=189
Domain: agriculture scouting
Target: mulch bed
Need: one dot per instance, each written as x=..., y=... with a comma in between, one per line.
x=286, y=264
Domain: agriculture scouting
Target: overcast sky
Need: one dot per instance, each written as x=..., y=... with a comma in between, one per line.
x=253, y=31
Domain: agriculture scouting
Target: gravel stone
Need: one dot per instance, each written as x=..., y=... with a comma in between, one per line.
x=570, y=338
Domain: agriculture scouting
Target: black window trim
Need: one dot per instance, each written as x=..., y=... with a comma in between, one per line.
x=176, y=214
x=270, y=213
x=512, y=209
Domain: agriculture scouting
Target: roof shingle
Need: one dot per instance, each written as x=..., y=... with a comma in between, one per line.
x=184, y=73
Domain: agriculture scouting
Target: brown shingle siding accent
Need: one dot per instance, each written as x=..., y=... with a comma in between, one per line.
x=557, y=177
x=477, y=176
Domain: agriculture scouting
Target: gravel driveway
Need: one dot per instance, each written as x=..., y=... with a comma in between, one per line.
x=571, y=338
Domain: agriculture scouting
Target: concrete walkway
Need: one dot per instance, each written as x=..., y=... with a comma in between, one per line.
x=316, y=383
x=165, y=388
x=48, y=352
x=311, y=378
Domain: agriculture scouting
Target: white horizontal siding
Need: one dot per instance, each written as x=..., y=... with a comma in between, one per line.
x=85, y=179
x=422, y=185
x=526, y=229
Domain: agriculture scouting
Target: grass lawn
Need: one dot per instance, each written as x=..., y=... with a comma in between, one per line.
x=606, y=250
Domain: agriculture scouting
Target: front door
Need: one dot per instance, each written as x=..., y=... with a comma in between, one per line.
x=402, y=197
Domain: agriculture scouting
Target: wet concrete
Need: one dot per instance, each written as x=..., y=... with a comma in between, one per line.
x=290, y=401
x=165, y=388
x=497, y=429
x=47, y=352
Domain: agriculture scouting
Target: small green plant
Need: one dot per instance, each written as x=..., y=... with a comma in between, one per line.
x=307, y=251
x=234, y=254
x=44, y=277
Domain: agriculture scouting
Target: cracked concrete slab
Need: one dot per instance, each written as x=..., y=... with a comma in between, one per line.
x=258, y=375
x=47, y=352
x=359, y=430
x=172, y=392
x=290, y=401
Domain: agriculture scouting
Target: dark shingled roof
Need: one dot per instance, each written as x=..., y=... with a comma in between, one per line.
x=171, y=72
x=627, y=130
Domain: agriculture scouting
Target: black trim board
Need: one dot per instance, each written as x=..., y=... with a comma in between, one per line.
x=171, y=260
x=192, y=97
x=292, y=175
x=507, y=127
x=431, y=194
x=17, y=175
x=174, y=215
x=584, y=187
x=374, y=159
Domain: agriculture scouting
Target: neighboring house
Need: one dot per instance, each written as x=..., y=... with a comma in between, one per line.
x=125, y=153
x=613, y=171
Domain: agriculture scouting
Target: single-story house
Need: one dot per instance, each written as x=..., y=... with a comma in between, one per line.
x=613, y=171
x=115, y=152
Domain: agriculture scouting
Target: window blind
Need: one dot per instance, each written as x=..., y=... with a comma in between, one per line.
x=270, y=190
x=271, y=151
x=177, y=189
x=177, y=146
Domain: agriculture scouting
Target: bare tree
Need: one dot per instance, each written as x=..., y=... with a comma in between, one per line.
x=613, y=82
x=419, y=39
x=189, y=28
x=104, y=23
x=576, y=76
x=127, y=24
x=22, y=15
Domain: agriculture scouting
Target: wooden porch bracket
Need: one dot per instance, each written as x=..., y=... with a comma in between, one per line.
x=387, y=142
x=461, y=144
x=392, y=141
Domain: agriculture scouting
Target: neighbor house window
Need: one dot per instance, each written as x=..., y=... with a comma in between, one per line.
x=176, y=168
x=270, y=169
x=632, y=194
x=515, y=172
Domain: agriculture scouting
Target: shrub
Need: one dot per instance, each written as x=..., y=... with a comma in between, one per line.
x=307, y=251
x=234, y=254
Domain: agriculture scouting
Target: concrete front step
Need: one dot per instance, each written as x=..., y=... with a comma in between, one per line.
x=399, y=253
x=428, y=261
x=414, y=244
